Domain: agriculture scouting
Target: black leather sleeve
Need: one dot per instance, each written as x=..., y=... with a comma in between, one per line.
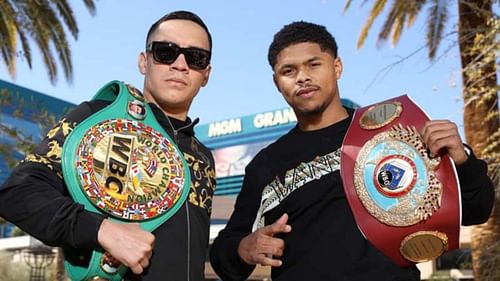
x=477, y=191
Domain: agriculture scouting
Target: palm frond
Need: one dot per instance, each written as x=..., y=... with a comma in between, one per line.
x=387, y=26
x=377, y=8
x=413, y=9
x=26, y=49
x=63, y=50
x=394, y=13
x=346, y=6
x=57, y=37
x=8, y=36
x=402, y=13
x=47, y=33
x=438, y=14
x=398, y=28
x=43, y=22
x=90, y=6
x=9, y=47
x=67, y=15
x=40, y=31
x=48, y=59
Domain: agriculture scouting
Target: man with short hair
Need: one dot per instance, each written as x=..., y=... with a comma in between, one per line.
x=175, y=65
x=309, y=230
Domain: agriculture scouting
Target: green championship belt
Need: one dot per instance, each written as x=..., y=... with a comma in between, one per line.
x=121, y=163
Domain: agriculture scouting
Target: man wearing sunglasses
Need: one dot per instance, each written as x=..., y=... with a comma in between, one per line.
x=175, y=65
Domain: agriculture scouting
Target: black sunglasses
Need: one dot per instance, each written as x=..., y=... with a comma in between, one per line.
x=167, y=53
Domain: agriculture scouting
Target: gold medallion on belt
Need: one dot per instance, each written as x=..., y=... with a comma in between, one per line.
x=129, y=170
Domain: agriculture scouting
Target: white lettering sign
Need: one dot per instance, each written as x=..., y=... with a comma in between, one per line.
x=225, y=127
x=278, y=117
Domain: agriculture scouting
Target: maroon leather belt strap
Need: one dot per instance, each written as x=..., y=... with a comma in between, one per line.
x=404, y=202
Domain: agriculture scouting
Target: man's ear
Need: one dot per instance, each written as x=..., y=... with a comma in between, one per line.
x=337, y=64
x=141, y=63
x=206, y=75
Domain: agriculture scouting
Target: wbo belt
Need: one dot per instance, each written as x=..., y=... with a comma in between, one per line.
x=121, y=163
x=404, y=202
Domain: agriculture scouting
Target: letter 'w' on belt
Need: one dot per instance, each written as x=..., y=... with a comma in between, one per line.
x=404, y=202
x=121, y=163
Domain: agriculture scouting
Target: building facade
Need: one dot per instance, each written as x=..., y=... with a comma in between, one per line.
x=23, y=113
x=23, y=118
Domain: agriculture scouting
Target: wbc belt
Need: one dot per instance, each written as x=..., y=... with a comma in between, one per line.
x=121, y=163
x=404, y=202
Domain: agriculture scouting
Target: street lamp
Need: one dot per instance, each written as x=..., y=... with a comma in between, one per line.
x=38, y=256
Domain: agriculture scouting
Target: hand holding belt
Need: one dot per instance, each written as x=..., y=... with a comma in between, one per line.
x=120, y=162
x=404, y=202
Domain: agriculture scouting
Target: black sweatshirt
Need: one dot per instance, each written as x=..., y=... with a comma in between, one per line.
x=36, y=199
x=325, y=242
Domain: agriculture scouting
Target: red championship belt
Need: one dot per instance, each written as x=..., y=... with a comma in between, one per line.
x=404, y=202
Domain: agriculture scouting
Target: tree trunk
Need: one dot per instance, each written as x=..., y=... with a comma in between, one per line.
x=478, y=75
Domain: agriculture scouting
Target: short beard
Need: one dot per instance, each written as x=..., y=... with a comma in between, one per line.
x=308, y=113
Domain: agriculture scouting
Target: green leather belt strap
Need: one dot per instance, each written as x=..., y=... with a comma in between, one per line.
x=120, y=162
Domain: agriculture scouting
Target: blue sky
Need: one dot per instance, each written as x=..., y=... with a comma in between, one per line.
x=241, y=80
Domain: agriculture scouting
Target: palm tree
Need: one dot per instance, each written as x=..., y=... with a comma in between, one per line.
x=44, y=22
x=477, y=39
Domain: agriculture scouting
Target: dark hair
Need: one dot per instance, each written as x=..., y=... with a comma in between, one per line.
x=179, y=15
x=301, y=32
